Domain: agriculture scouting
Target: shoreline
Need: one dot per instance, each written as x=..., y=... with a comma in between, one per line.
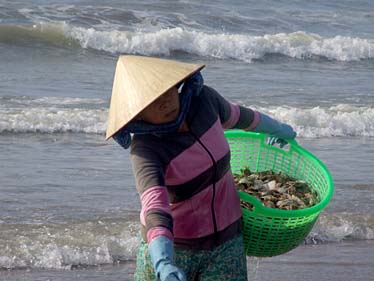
x=348, y=260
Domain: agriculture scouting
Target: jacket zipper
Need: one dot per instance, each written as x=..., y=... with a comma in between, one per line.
x=214, y=178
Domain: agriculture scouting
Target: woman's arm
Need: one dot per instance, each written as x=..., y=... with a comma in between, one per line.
x=155, y=215
x=234, y=116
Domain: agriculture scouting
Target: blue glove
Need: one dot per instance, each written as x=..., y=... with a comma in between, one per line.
x=161, y=250
x=278, y=132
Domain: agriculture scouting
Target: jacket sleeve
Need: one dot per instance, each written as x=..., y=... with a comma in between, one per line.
x=155, y=215
x=232, y=115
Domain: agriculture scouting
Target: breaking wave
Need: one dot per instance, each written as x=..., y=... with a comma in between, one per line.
x=77, y=115
x=243, y=47
x=342, y=226
x=108, y=240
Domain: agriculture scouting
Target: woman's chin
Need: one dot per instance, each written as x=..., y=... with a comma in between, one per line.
x=171, y=116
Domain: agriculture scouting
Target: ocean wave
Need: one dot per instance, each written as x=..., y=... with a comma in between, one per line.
x=335, y=121
x=65, y=246
x=52, y=34
x=53, y=115
x=107, y=241
x=342, y=226
x=76, y=115
x=163, y=42
x=242, y=47
x=54, y=120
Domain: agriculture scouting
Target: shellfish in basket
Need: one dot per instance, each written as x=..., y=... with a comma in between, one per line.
x=275, y=190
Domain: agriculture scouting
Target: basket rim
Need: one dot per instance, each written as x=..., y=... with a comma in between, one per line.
x=293, y=146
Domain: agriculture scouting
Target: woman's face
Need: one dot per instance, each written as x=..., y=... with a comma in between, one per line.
x=162, y=110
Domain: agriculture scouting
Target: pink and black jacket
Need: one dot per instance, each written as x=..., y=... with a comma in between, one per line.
x=184, y=178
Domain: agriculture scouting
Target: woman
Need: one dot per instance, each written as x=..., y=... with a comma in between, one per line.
x=191, y=212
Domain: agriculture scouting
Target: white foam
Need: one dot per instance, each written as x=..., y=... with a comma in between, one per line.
x=78, y=115
x=159, y=40
x=340, y=226
x=243, y=47
x=339, y=120
x=54, y=120
x=53, y=115
x=57, y=246
x=52, y=255
x=93, y=243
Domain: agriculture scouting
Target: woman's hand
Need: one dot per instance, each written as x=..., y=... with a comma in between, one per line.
x=161, y=250
x=279, y=132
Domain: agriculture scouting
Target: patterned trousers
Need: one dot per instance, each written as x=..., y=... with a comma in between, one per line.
x=226, y=262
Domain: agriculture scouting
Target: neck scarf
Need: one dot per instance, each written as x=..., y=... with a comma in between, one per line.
x=191, y=88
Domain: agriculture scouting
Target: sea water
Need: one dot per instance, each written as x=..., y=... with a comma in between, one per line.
x=68, y=203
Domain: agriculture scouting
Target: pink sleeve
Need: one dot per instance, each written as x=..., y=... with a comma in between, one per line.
x=234, y=116
x=155, y=199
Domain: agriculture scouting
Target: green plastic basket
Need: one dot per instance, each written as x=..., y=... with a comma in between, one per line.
x=267, y=231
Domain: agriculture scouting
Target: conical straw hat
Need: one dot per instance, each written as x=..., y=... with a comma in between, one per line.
x=138, y=81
